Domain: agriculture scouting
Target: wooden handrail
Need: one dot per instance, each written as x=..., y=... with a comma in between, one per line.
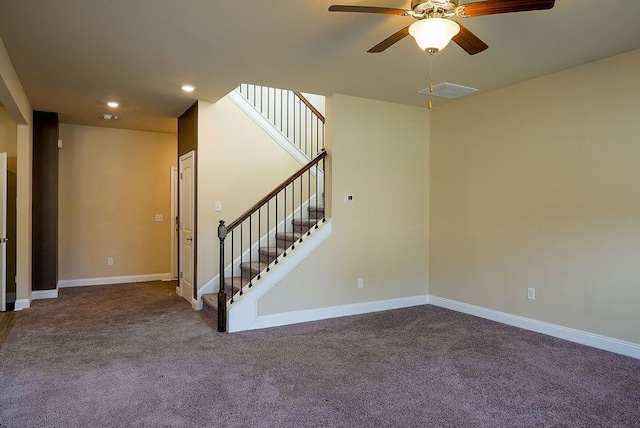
x=277, y=190
x=311, y=107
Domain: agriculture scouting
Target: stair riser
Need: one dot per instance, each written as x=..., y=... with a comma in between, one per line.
x=266, y=258
x=236, y=288
x=313, y=213
x=247, y=274
x=306, y=222
x=212, y=311
x=310, y=220
x=285, y=243
x=300, y=228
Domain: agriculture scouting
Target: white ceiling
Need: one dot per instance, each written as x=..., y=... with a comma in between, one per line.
x=74, y=55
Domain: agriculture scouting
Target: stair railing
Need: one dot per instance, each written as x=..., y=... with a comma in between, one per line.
x=291, y=113
x=269, y=221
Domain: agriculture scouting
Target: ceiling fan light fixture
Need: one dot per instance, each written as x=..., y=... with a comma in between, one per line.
x=433, y=34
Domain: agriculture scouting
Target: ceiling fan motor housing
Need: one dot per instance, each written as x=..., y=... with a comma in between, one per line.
x=426, y=7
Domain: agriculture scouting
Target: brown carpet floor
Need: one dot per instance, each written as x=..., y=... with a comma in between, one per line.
x=6, y=323
x=137, y=355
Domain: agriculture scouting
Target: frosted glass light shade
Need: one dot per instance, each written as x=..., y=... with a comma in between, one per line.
x=433, y=33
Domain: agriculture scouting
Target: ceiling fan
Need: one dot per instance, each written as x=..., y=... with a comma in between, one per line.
x=434, y=27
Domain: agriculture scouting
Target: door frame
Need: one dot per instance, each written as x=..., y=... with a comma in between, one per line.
x=174, y=222
x=3, y=231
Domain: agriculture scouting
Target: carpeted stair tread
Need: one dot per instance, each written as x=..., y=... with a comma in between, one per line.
x=288, y=236
x=306, y=221
x=254, y=267
x=315, y=211
x=238, y=281
x=210, y=300
x=304, y=225
x=270, y=253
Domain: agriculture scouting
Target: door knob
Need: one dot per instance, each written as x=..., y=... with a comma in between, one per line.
x=189, y=239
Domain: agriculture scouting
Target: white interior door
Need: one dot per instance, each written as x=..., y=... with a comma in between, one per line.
x=3, y=231
x=187, y=225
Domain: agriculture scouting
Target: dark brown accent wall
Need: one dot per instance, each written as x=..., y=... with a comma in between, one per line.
x=187, y=142
x=188, y=130
x=45, y=201
x=12, y=192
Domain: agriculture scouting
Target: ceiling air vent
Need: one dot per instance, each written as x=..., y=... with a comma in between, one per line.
x=448, y=90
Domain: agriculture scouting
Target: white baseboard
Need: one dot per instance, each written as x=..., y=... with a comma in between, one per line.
x=22, y=304
x=65, y=283
x=622, y=347
x=275, y=320
x=44, y=294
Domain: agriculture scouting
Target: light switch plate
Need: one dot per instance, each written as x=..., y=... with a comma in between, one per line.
x=217, y=206
x=159, y=217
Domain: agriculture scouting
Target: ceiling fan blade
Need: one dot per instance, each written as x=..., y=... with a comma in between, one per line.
x=390, y=41
x=494, y=7
x=368, y=9
x=469, y=41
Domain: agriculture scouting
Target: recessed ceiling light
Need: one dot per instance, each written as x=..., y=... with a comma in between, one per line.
x=188, y=88
x=113, y=104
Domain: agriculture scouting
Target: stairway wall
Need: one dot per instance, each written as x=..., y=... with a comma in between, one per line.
x=238, y=163
x=318, y=101
x=379, y=152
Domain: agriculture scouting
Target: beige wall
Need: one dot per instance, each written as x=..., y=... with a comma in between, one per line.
x=9, y=138
x=24, y=211
x=112, y=183
x=9, y=145
x=379, y=152
x=238, y=164
x=538, y=185
x=13, y=97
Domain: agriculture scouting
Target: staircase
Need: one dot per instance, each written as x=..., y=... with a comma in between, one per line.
x=269, y=256
x=259, y=239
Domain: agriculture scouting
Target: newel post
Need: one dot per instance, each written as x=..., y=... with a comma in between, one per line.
x=222, y=296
